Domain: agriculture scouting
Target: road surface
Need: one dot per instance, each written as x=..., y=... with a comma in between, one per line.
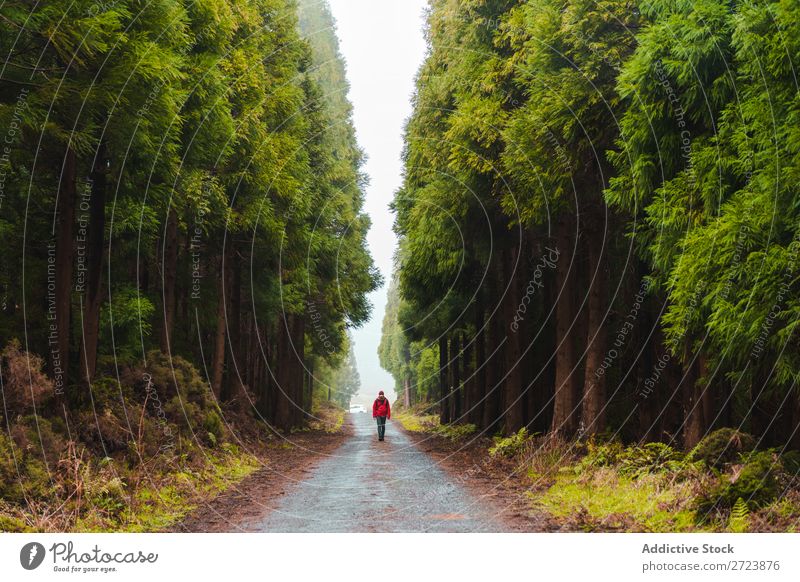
x=371, y=486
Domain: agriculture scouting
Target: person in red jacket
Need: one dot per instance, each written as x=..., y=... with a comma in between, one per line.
x=381, y=411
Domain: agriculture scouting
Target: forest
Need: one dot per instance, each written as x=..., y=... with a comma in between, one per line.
x=593, y=299
x=183, y=238
x=599, y=221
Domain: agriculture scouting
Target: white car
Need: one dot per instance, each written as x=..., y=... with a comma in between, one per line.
x=357, y=408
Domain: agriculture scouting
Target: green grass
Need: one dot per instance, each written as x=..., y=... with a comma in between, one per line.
x=455, y=431
x=413, y=422
x=329, y=416
x=606, y=500
x=157, y=507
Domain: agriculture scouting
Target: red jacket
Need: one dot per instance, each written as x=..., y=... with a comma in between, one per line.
x=381, y=408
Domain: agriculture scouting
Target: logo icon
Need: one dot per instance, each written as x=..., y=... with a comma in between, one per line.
x=31, y=555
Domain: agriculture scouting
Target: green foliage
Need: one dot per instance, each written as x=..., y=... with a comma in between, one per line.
x=633, y=461
x=602, y=454
x=109, y=495
x=167, y=378
x=650, y=458
x=674, y=122
x=722, y=447
x=415, y=362
x=754, y=481
x=738, y=522
x=455, y=431
x=129, y=315
x=213, y=425
x=23, y=476
x=510, y=446
x=549, y=456
x=338, y=379
x=605, y=501
x=177, y=168
x=415, y=421
x=10, y=524
x=791, y=462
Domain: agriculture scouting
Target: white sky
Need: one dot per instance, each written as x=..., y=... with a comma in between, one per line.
x=383, y=46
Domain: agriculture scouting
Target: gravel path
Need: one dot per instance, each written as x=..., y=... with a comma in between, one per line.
x=371, y=486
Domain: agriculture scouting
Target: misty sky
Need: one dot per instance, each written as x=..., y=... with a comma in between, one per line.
x=383, y=46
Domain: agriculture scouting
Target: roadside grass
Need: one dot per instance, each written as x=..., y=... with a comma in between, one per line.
x=606, y=486
x=159, y=506
x=328, y=416
x=416, y=419
x=605, y=500
x=455, y=432
x=149, y=497
x=721, y=485
x=139, y=459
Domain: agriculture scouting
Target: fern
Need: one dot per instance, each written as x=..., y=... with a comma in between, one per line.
x=739, y=521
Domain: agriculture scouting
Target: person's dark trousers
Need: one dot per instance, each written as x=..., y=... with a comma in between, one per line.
x=381, y=426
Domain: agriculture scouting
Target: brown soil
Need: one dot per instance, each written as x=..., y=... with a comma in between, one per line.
x=494, y=481
x=286, y=463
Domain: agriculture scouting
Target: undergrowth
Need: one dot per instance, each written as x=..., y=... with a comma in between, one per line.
x=143, y=449
x=720, y=485
x=417, y=418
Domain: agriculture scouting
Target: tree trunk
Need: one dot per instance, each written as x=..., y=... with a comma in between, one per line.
x=94, y=268
x=647, y=397
x=478, y=385
x=455, y=373
x=794, y=419
x=169, y=278
x=236, y=385
x=708, y=397
x=444, y=410
x=693, y=424
x=264, y=384
x=249, y=355
x=494, y=360
x=406, y=392
x=283, y=376
x=468, y=378
x=594, y=399
x=512, y=393
x=301, y=407
x=60, y=328
x=310, y=384
x=542, y=354
x=218, y=363
x=564, y=417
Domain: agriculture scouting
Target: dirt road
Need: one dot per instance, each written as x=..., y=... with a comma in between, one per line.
x=370, y=486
